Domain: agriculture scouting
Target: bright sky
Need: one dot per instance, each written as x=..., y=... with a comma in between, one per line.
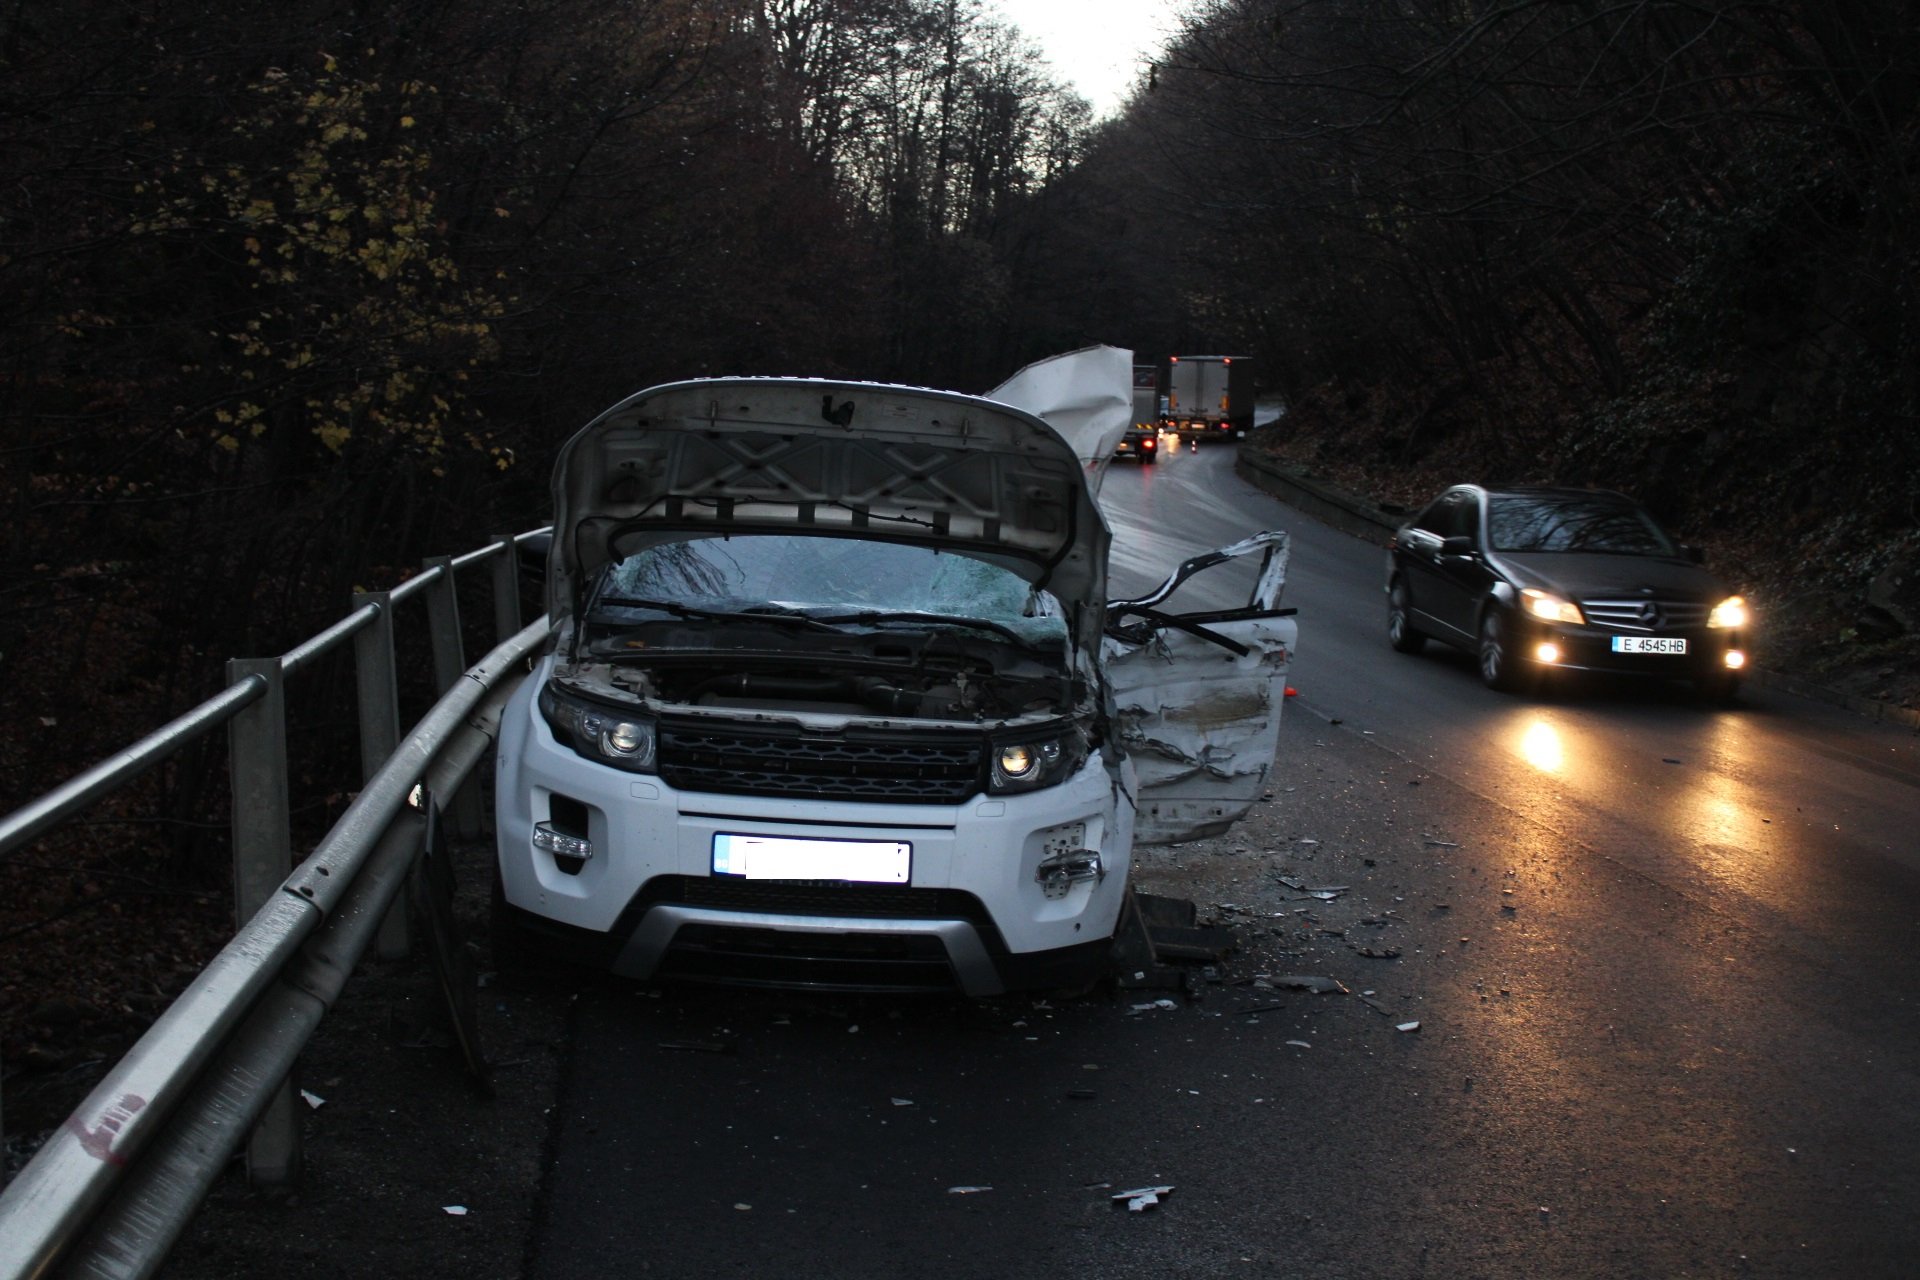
x=1100, y=46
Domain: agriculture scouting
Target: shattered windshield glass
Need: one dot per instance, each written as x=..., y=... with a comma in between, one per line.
x=1527, y=523
x=826, y=578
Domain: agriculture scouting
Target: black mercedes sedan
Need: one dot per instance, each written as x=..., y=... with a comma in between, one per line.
x=1533, y=581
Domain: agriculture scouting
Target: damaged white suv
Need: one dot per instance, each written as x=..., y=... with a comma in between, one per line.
x=836, y=700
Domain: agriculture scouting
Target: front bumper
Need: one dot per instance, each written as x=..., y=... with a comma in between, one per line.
x=1587, y=648
x=974, y=916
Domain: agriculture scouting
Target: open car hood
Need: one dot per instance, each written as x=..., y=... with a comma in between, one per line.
x=808, y=456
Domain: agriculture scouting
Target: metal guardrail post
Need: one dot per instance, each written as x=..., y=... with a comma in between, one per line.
x=377, y=682
x=449, y=662
x=262, y=857
x=506, y=588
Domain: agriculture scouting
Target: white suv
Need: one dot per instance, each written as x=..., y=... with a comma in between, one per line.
x=836, y=699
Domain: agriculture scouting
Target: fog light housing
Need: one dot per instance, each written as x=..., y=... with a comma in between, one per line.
x=569, y=851
x=1547, y=651
x=1059, y=872
x=1734, y=659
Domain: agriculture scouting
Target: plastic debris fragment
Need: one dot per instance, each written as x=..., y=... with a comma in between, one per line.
x=455, y=1210
x=1408, y=1026
x=313, y=1100
x=1141, y=1199
x=966, y=1191
x=1300, y=1044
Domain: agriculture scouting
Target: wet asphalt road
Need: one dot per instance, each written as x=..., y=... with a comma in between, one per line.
x=1662, y=958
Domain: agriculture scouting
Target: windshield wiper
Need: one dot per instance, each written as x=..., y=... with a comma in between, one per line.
x=869, y=617
x=757, y=613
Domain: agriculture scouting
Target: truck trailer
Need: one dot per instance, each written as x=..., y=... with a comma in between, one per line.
x=1210, y=397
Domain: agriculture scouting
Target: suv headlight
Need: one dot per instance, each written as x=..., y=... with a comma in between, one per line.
x=1544, y=604
x=1731, y=612
x=616, y=736
x=1034, y=760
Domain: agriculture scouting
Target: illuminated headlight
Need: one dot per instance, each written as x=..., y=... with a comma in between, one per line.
x=618, y=737
x=1731, y=612
x=1041, y=760
x=1733, y=659
x=1544, y=604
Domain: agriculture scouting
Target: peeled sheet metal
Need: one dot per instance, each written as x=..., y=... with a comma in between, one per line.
x=1086, y=396
x=1200, y=722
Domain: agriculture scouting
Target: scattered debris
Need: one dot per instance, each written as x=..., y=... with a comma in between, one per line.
x=1083, y=1095
x=902, y=1102
x=1300, y=1044
x=1141, y=1199
x=313, y=1100
x=1442, y=844
x=1378, y=953
x=1663, y=760
x=1155, y=1004
x=697, y=1046
x=455, y=1210
x=1302, y=982
x=741, y=1206
x=1407, y=1026
x=966, y=1191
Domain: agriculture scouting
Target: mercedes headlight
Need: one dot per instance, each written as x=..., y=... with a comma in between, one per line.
x=1544, y=604
x=1731, y=612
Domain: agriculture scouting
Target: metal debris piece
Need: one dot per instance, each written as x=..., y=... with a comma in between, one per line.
x=1408, y=1026
x=1155, y=1004
x=1140, y=1199
x=1293, y=882
x=1442, y=844
x=1300, y=1044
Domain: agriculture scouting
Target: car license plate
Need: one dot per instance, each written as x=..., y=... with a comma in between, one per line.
x=1648, y=644
x=794, y=858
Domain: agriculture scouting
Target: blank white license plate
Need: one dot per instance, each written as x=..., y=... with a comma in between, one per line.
x=1648, y=644
x=791, y=858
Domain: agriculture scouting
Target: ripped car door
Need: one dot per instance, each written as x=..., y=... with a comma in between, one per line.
x=1197, y=696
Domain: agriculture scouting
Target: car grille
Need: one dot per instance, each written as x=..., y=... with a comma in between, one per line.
x=920, y=768
x=1641, y=614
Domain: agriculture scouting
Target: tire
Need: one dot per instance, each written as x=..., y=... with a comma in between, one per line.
x=1401, y=633
x=1499, y=668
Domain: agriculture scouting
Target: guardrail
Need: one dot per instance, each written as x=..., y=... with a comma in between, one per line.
x=111, y=1190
